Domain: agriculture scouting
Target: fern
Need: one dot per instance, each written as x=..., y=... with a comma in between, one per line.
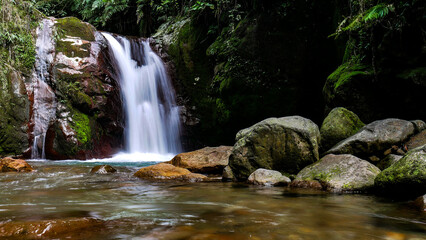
x=377, y=12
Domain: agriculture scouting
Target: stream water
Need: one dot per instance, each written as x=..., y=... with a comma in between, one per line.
x=136, y=209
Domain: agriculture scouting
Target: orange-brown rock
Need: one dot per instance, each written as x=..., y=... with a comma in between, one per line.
x=205, y=160
x=14, y=165
x=72, y=228
x=165, y=171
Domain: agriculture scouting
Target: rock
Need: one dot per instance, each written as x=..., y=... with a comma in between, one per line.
x=419, y=125
x=227, y=174
x=388, y=161
x=103, y=169
x=416, y=141
x=14, y=165
x=284, y=144
x=206, y=160
x=339, y=173
x=339, y=124
x=268, y=178
x=405, y=178
x=420, y=202
x=165, y=171
x=49, y=229
x=375, y=138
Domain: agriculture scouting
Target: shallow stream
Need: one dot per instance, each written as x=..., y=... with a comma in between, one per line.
x=136, y=209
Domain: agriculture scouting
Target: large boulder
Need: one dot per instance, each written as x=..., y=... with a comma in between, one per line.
x=405, y=178
x=339, y=124
x=375, y=138
x=206, y=160
x=165, y=171
x=284, y=144
x=14, y=165
x=339, y=173
x=268, y=178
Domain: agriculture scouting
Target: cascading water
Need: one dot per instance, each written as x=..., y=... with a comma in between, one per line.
x=44, y=103
x=152, y=116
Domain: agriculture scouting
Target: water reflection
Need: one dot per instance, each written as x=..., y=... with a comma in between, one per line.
x=137, y=209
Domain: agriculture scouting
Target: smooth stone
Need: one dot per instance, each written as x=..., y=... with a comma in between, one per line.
x=166, y=171
x=375, y=138
x=407, y=177
x=206, y=160
x=14, y=165
x=339, y=124
x=268, y=178
x=284, y=144
x=339, y=173
x=103, y=169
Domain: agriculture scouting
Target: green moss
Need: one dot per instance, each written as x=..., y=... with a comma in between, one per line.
x=72, y=26
x=81, y=125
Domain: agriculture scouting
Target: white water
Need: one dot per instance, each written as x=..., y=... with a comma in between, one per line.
x=44, y=105
x=152, y=117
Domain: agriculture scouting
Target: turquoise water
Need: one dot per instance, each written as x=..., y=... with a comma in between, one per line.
x=134, y=209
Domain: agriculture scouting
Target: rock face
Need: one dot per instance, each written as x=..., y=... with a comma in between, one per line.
x=103, y=169
x=407, y=177
x=375, y=138
x=268, y=178
x=285, y=144
x=165, y=171
x=206, y=160
x=339, y=173
x=14, y=165
x=339, y=124
x=49, y=229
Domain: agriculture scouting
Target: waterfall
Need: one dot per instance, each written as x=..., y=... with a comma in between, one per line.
x=152, y=117
x=44, y=103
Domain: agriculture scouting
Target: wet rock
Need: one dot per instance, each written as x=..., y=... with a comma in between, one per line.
x=339, y=124
x=340, y=173
x=14, y=165
x=227, y=174
x=416, y=141
x=165, y=171
x=268, y=178
x=407, y=177
x=48, y=229
x=419, y=125
x=420, y=202
x=388, y=161
x=284, y=144
x=103, y=169
x=206, y=160
x=375, y=138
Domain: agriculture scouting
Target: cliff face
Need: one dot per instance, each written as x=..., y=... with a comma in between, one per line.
x=67, y=101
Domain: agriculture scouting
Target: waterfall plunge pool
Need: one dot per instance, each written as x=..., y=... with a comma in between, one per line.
x=130, y=208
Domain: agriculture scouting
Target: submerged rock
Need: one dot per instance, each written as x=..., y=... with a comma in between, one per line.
x=339, y=173
x=405, y=178
x=268, y=178
x=375, y=138
x=206, y=160
x=103, y=169
x=14, y=165
x=339, y=124
x=285, y=144
x=165, y=171
x=73, y=228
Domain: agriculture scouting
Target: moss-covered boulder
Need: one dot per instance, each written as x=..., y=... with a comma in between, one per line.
x=388, y=161
x=339, y=173
x=284, y=144
x=407, y=177
x=339, y=124
x=375, y=138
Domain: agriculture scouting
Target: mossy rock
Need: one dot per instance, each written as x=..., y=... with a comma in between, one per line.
x=71, y=26
x=340, y=173
x=407, y=177
x=284, y=144
x=339, y=124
